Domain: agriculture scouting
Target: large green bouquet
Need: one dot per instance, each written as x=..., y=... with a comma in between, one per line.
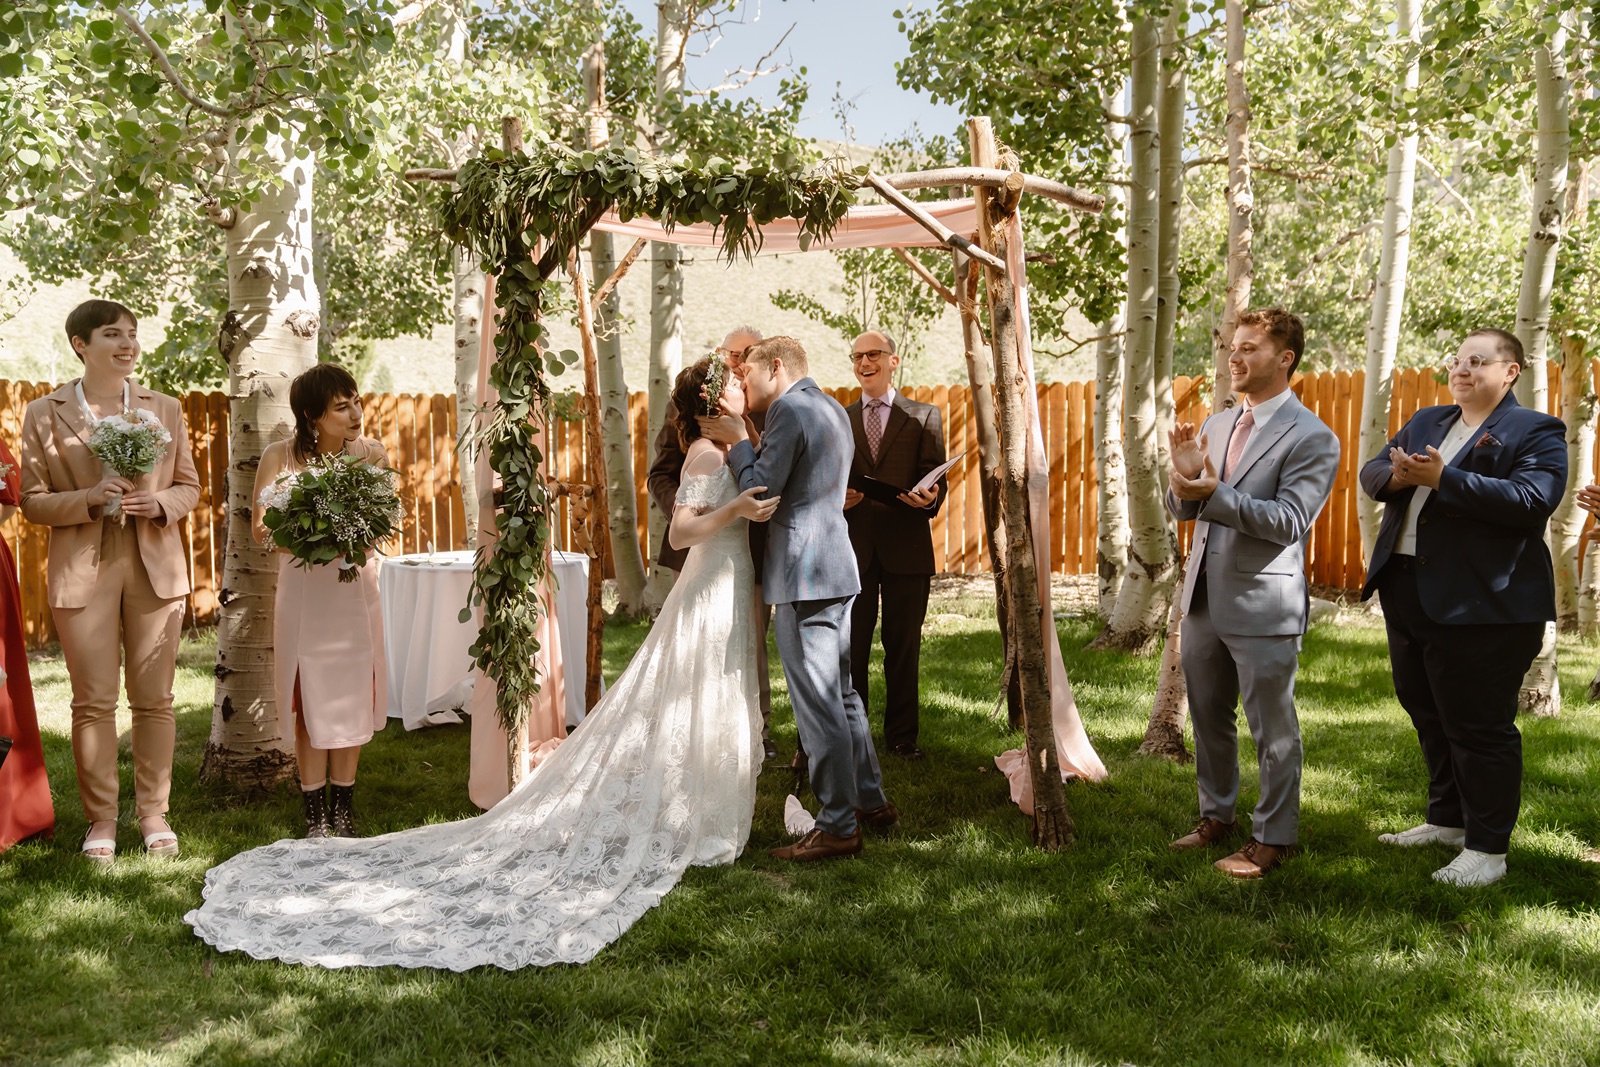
x=334, y=511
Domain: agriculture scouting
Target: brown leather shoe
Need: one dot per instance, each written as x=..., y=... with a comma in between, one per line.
x=819, y=845
x=1207, y=832
x=884, y=820
x=1254, y=859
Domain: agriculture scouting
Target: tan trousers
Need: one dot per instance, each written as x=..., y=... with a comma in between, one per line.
x=124, y=614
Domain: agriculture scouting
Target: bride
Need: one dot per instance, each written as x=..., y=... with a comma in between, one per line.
x=661, y=775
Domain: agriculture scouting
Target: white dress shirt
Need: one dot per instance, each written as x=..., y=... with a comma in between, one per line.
x=1456, y=441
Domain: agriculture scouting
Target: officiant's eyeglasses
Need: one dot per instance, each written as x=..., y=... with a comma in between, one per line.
x=1472, y=362
x=734, y=354
x=873, y=354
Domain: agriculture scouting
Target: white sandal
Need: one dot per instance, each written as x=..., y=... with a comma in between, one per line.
x=162, y=843
x=91, y=843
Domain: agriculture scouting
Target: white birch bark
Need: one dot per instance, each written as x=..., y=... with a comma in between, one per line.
x=1241, y=204
x=1112, y=488
x=268, y=337
x=1164, y=733
x=1541, y=689
x=616, y=438
x=1389, y=295
x=666, y=276
x=1141, y=608
x=1566, y=525
x=467, y=314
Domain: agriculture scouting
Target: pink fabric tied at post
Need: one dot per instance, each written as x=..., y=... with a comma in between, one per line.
x=1074, y=751
x=487, y=780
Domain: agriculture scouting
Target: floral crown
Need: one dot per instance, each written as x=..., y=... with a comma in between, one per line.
x=711, y=389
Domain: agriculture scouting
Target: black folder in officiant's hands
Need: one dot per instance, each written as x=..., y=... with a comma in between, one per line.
x=888, y=493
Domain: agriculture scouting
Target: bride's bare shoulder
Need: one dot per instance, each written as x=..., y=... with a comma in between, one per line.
x=703, y=458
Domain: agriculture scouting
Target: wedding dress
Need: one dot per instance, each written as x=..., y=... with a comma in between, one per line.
x=661, y=775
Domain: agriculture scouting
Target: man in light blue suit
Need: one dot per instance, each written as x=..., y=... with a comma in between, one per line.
x=810, y=578
x=1255, y=479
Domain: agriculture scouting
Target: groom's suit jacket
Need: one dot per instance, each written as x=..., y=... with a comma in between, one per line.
x=1250, y=537
x=804, y=458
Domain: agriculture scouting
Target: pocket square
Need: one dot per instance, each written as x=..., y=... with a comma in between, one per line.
x=1488, y=440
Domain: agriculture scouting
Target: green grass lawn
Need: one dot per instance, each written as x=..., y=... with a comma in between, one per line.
x=955, y=942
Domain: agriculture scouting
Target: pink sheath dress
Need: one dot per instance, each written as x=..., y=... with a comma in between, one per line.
x=330, y=633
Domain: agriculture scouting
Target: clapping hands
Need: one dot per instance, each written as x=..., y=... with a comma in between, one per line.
x=1407, y=470
x=1193, y=476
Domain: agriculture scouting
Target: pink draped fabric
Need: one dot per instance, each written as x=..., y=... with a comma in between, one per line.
x=875, y=226
x=1074, y=751
x=487, y=779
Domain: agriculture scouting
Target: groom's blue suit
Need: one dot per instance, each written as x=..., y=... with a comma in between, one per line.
x=810, y=578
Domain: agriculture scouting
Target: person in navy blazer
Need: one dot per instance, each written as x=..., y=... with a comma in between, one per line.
x=1461, y=569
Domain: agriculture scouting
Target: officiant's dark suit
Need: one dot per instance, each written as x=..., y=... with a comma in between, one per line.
x=1466, y=585
x=893, y=542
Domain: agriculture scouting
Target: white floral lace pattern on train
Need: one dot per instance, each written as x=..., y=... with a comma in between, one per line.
x=660, y=776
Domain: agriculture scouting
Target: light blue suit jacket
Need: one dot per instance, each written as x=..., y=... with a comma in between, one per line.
x=804, y=458
x=1252, y=532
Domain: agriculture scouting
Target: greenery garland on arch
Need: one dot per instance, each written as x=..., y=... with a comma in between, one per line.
x=504, y=208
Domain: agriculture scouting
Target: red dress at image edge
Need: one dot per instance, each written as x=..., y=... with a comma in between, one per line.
x=25, y=808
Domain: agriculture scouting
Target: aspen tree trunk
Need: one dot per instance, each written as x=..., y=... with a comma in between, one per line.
x=980, y=378
x=666, y=273
x=1052, y=820
x=616, y=439
x=467, y=314
x=1541, y=689
x=1141, y=607
x=1111, y=549
x=268, y=337
x=1241, y=206
x=1566, y=525
x=1163, y=735
x=1389, y=295
x=1171, y=101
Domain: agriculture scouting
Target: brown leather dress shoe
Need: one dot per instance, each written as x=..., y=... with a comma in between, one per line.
x=884, y=820
x=1254, y=859
x=1207, y=832
x=818, y=844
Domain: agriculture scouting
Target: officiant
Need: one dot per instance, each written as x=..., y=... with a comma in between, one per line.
x=898, y=441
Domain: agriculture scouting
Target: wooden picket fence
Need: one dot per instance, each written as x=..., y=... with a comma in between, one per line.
x=419, y=432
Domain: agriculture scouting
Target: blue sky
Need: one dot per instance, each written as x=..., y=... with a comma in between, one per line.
x=853, y=44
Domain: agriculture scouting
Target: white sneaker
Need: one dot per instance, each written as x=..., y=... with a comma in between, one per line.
x=1472, y=868
x=1427, y=834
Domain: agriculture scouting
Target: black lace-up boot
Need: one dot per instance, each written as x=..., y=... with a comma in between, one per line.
x=316, y=802
x=344, y=812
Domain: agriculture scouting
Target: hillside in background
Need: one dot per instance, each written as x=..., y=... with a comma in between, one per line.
x=718, y=296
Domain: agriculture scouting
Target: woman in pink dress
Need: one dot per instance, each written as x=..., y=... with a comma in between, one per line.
x=328, y=634
x=25, y=808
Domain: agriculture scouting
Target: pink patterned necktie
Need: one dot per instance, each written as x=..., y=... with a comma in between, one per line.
x=874, y=425
x=1241, y=438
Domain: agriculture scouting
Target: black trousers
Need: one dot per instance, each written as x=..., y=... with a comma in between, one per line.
x=1459, y=685
x=905, y=606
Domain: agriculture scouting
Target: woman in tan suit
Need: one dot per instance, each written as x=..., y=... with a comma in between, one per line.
x=113, y=587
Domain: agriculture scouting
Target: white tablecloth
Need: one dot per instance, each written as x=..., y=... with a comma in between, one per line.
x=430, y=670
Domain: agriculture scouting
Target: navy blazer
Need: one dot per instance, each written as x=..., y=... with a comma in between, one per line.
x=1481, y=556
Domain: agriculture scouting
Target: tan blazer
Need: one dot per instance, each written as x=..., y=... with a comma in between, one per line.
x=58, y=470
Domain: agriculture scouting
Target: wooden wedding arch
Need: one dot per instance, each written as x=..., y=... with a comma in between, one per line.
x=524, y=213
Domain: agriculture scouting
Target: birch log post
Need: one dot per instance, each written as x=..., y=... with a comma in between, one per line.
x=1241, y=202
x=980, y=376
x=1566, y=525
x=268, y=336
x=1052, y=820
x=1111, y=515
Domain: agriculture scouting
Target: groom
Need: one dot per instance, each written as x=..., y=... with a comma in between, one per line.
x=810, y=579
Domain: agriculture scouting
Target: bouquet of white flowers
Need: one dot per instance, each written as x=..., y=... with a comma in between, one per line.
x=335, y=510
x=129, y=444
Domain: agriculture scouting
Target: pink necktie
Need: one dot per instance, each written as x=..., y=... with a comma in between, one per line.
x=1241, y=438
x=874, y=425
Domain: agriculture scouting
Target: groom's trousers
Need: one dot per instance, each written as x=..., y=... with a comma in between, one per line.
x=814, y=645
